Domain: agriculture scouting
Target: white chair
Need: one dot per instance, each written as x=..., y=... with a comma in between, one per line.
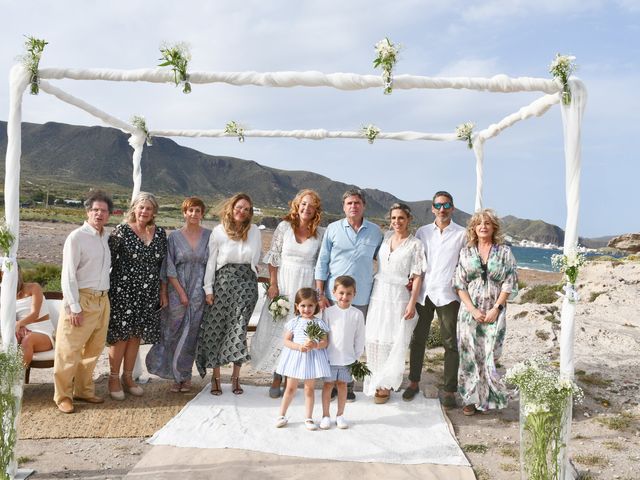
x=45, y=359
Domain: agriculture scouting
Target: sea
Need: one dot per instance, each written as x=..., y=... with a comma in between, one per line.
x=534, y=258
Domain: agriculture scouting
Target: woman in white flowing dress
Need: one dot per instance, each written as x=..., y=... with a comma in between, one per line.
x=291, y=260
x=392, y=309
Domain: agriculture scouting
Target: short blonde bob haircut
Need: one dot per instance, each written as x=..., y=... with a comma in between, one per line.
x=497, y=237
x=140, y=198
x=293, y=217
x=236, y=232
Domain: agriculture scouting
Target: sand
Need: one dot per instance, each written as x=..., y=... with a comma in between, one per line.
x=606, y=428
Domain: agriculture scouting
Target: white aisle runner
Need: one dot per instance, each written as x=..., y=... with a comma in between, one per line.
x=398, y=432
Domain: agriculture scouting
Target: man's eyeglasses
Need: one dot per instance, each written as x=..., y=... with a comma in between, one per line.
x=446, y=205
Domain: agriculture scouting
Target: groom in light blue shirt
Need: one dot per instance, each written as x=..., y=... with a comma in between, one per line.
x=348, y=248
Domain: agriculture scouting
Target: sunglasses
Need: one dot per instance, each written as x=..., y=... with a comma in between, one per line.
x=446, y=205
x=483, y=273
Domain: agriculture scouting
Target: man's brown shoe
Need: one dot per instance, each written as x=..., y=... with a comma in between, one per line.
x=94, y=399
x=66, y=406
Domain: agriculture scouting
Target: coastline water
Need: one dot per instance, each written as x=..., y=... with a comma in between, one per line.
x=534, y=258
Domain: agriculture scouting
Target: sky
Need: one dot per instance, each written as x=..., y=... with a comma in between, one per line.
x=524, y=165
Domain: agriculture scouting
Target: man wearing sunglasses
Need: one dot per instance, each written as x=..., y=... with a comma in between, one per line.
x=442, y=240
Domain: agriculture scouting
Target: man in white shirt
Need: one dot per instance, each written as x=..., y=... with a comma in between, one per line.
x=82, y=329
x=442, y=242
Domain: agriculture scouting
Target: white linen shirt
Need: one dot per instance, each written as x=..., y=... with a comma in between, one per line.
x=223, y=250
x=86, y=261
x=442, y=250
x=346, y=334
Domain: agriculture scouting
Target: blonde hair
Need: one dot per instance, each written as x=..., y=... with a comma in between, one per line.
x=293, y=217
x=139, y=198
x=233, y=231
x=472, y=237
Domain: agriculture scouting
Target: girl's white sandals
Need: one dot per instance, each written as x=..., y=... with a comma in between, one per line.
x=281, y=422
x=310, y=424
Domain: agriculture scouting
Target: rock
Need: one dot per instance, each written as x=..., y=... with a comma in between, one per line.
x=270, y=222
x=629, y=242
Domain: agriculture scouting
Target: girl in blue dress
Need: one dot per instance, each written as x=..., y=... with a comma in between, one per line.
x=301, y=358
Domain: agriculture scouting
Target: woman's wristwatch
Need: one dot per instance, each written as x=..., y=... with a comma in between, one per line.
x=499, y=306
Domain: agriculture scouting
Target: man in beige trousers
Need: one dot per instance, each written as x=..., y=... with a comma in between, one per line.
x=84, y=319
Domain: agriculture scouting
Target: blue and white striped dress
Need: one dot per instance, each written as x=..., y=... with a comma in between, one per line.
x=303, y=365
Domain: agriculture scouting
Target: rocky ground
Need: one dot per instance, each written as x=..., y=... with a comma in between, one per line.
x=605, y=438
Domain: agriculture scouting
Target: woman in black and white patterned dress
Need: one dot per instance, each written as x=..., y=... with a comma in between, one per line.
x=138, y=247
x=231, y=288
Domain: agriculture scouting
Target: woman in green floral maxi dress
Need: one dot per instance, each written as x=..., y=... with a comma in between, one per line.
x=485, y=277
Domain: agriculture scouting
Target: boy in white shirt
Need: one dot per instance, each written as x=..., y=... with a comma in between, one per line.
x=346, y=345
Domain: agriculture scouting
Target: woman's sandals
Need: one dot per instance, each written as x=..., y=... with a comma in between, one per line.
x=215, y=386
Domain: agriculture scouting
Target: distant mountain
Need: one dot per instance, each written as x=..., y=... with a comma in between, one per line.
x=101, y=156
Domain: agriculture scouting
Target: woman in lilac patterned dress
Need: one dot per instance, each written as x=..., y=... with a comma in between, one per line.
x=183, y=271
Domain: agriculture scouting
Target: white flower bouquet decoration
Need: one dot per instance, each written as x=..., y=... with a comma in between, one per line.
x=561, y=68
x=141, y=124
x=11, y=380
x=545, y=407
x=570, y=262
x=235, y=129
x=464, y=131
x=387, y=57
x=6, y=242
x=177, y=56
x=279, y=307
x=31, y=60
x=371, y=132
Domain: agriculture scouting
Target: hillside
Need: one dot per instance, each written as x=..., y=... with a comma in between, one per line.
x=60, y=154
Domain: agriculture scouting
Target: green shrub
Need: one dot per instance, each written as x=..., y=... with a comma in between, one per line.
x=541, y=294
x=47, y=275
x=594, y=295
x=435, y=337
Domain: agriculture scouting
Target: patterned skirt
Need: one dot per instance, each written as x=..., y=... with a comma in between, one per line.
x=223, y=331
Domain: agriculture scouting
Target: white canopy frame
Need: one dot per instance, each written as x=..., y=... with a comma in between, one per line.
x=571, y=117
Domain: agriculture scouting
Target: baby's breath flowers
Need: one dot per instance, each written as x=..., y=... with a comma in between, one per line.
x=371, y=132
x=464, y=131
x=387, y=57
x=561, y=68
x=178, y=57
x=544, y=397
x=279, y=307
x=570, y=262
x=31, y=60
x=141, y=124
x=234, y=128
x=11, y=376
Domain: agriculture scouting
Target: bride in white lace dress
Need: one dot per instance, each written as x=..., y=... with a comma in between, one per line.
x=392, y=309
x=291, y=260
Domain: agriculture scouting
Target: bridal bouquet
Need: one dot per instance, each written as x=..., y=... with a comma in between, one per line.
x=386, y=59
x=234, y=128
x=31, y=60
x=464, y=131
x=545, y=407
x=561, y=68
x=314, y=332
x=359, y=370
x=178, y=57
x=371, y=132
x=279, y=307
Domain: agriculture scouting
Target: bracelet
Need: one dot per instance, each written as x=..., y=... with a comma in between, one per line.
x=319, y=292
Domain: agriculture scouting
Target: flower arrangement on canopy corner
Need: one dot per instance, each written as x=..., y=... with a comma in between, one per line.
x=177, y=56
x=31, y=60
x=544, y=400
x=279, y=307
x=140, y=123
x=386, y=59
x=569, y=263
x=6, y=242
x=235, y=129
x=561, y=68
x=11, y=377
x=464, y=131
x=371, y=132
